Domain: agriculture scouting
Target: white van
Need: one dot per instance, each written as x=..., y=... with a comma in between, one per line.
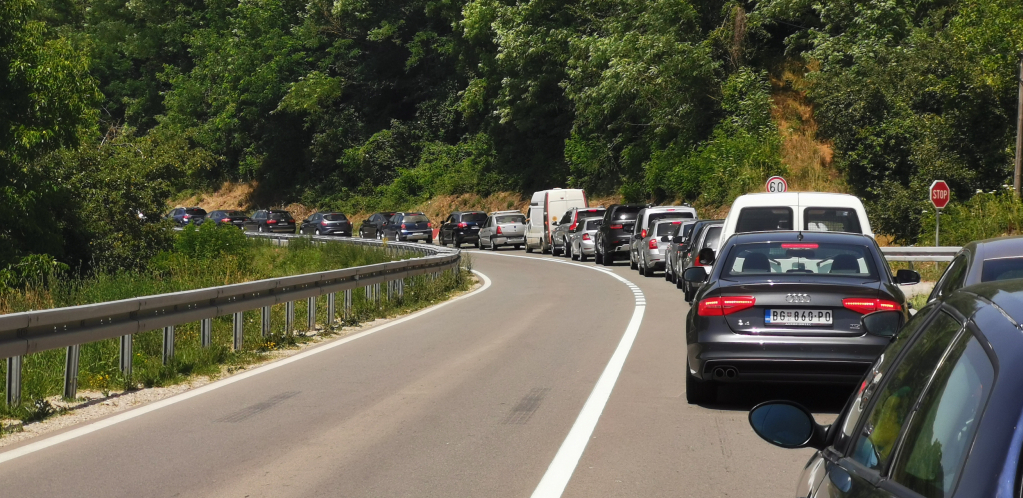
x=544, y=209
x=807, y=211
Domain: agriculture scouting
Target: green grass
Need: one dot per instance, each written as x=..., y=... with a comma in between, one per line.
x=43, y=372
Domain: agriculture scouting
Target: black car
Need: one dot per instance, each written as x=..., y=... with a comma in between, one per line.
x=981, y=261
x=786, y=306
x=709, y=236
x=184, y=216
x=937, y=414
x=228, y=217
x=569, y=223
x=373, y=227
x=405, y=227
x=271, y=220
x=682, y=246
x=326, y=223
x=461, y=227
x=615, y=233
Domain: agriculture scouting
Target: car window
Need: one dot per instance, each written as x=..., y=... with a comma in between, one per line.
x=954, y=277
x=1002, y=269
x=196, y=212
x=235, y=213
x=942, y=430
x=567, y=218
x=874, y=377
x=280, y=215
x=667, y=228
x=831, y=220
x=593, y=224
x=477, y=217
x=762, y=219
x=669, y=214
x=511, y=218
x=334, y=217
x=625, y=214
x=713, y=237
x=779, y=259
x=892, y=406
x=416, y=218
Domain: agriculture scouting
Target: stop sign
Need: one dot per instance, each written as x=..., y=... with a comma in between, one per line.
x=940, y=194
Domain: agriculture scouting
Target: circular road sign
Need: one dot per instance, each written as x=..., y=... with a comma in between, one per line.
x=776, y=184
x=940, y=194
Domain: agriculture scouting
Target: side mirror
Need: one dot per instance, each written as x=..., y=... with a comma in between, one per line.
x=678, y=239
x=706, y=256
x=694, y=275
x=907, y=277
x=554, y=223
x=666, y=238
x=787, y=424
x=882, y=323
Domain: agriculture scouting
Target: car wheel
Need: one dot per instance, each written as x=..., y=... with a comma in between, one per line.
x=598, y=258
x=699, y=391
x=607, y=259
x=479, y=245
x=632, y=262
x=518, y=246
x=679, y=283
x=457, y=242
x=529, y=249
x=260, y=229
x=317, y=232
x=493, y=246
x=582, y=257
x=667, y=274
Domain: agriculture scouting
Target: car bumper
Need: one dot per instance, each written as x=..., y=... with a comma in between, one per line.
x=468, y=236
x=287, y=229
x=758, y=358
x=336, y=231
x=509, y=240
x=416, y=236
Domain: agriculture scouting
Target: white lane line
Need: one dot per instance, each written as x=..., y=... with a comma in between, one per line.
x=554, y=481
x=137, y=412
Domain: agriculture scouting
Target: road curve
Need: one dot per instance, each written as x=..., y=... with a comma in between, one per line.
x=473, y=399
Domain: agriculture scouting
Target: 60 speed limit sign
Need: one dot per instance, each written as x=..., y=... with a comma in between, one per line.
x=776, y=184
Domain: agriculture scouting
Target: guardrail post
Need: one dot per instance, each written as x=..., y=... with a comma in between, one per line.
x=369, y=292
x=168, y=344
x=310, y=315
x=348, y=303
x=376, y=294
x=71, y=372
x=390, y=290
x=206, y=332
x=289, y=317
x=126, y=356
x=265, y=319
x=239, y=330
x=14, y=381
x=331, y=299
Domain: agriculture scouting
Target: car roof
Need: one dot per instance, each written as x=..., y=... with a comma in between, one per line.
x=1005, y=294
x=670, y=208
x=801, y=236
x=507, y=211
x=1000, y=247
x=468, y=212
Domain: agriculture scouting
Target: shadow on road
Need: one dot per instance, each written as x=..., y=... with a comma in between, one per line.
x=817, y=398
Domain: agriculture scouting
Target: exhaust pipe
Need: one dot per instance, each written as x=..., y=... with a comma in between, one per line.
x=719, y=373
x=731, y=372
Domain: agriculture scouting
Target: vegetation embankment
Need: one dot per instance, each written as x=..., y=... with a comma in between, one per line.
x=205, y=257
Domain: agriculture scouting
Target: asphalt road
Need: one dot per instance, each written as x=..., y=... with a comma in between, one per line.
x=474, y=398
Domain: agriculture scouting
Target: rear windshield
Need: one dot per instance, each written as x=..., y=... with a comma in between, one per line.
x=713, y=237
x=764, y=219
x=196, y=212
x=1002, y=269
x=625, y=213
x=589, y=213
x=415, y=218
x=511, y=218
x=667, y=228
x=831, y=220
x=671, y=214
x=477, y=217
x=781, y=259
x=234, y=213
x=280, y=215
x=335, y=217
x=593, y=224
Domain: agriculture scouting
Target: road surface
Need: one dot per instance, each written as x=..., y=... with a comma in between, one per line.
x=474, y=398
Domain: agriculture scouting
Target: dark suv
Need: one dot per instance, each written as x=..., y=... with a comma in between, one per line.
x=326, y=223
x=271, y=220
x=373, y=227
x=184, y=216
x=405, y=227
x=228, y=217
x=616, y=232
x=461, y=227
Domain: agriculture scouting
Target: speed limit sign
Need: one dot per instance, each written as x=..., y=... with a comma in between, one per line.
x=776, y=184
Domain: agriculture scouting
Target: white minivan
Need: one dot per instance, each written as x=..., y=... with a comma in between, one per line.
x=806, y=211
x=544, y=209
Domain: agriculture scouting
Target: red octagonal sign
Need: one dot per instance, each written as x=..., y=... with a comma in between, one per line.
x=940, y=194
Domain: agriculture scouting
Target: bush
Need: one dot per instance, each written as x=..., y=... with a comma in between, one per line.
x=984, y=216
x=210, y=240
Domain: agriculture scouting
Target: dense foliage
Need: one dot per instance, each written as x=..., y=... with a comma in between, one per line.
x=110, y=106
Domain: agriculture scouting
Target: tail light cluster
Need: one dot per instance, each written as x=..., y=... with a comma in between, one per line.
x=616, y=227
x=499, y=232
x=653, y=243
x=867, y=305
x=642, y=233
x=226, y=220
x=402, y=226
x=725, y=305
x=271, y=222
x=463, y=225
x=429, y=224
x=586, y=236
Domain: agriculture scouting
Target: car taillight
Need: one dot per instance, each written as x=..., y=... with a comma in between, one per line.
x=402, y=226
x=720, y=306
x=572, y=226
x=642, y=233
x=499, y=231
x=653, y=243
x=271, y=222
x=696, y=262
x=323, y=223
x=429, y=224
x=616, y=227
x=864, y=306
x=187, y=216
x=586, y=236
x=225, y=220
x=290, y=220
x=463, y=225
x=800, y=246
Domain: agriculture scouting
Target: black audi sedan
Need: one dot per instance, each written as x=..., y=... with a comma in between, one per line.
x=228, y=217
x=461, y=227
x=785, y=307
x=981, y=261
x=326, y=223
x=938, y=414
x=271, y=220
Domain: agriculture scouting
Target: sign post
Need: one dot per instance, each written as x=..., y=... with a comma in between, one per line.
x=940, y=195
x=776, y=184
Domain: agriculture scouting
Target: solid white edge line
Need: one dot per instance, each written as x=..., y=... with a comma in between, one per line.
x=560, y=471
x=142, y=410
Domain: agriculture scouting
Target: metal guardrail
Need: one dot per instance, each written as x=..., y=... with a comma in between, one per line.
x=920, y=253
x=43, y=330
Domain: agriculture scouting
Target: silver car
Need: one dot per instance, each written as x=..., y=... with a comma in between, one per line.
x=503, y=228
x=651, y=249
x=671, y=256
x=580, y=244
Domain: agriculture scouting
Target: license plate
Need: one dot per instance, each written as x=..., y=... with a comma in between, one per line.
x=797, y=317
x=283, y=224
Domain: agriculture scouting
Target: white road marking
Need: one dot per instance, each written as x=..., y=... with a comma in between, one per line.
x=554, y=481
x=137, y=412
